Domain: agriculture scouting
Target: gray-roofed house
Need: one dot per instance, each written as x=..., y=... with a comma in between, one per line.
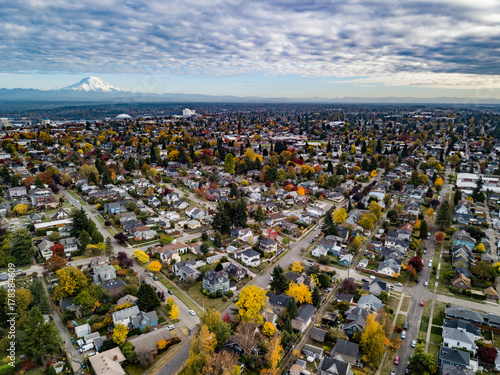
x=250, y=258
x=216, y=282
x=454, y=370
x=348, y=351
x=278, y=302
x=143, y=319
x=330, y=365
x=313, y=351
x=125, y=316
x=453, y=357
x=148, y=341
x=128, y=298
x=318, y=334
x=457, y=312
x=370, y=302
x=304, y=317
x=355, y=320
x=104, y=273
x=454, y=337
x=114, y=287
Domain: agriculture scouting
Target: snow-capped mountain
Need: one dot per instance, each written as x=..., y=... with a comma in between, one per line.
x=92, y=84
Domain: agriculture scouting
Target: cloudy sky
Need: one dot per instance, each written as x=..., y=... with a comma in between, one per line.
x=270, y=48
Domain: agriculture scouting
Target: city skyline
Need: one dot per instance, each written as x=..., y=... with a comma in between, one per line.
x=265, y=49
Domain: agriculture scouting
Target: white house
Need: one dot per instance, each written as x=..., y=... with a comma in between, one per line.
x=125, y=316
x=319, y=251
x=250, y=258
x=454, y=337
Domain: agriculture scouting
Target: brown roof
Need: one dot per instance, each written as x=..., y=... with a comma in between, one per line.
x=108, y=362
x=171, y=247
x=491, y=291
x=148, y=341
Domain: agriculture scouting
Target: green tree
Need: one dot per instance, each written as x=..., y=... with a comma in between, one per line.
x=39, y=183
x=22, y=247
x=444, y=216
x=80, y=222
x=329, y=228
x=476, y=192
x=316, y=297
x=457, y=197
x=147, y=298
x=217, y=239
x=280, y=281
x=422, y=362
x=221, y=220
x=239, y=213
x=84, y=239
x=259, y=215
x=109, y=251
x=129, y=352
x=424, y=230
x=37, y=337
x=39, y=296
x=229, y=163
x=291, y=308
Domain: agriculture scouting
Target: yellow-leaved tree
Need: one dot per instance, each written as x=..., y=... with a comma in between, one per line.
x=154, y=266
x=120, y=333
x=273, y=355
x=268, y=329
x=201, y=348
x=481, y=248
x=252, y=299
x=375, y=208
x=71, y=280
x=301, y=293
x=174, y=312
x=373, y=173
x=161, y=344
x=372, y=341
x=141, y=256
x=297, y=267
x=438, y=183
x=430, y=212
x=339, y=215
x=20, y=209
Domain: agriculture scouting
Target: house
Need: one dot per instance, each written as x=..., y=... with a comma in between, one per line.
x=67, y=304
x=355, y=320
x=299, y=278
x=61, y=214
x=125, y=316
x=98, y=261
x=35, y=218
x=108, y=362
x=454, y=370
x=453, y=357
x=346, y=260
x=458, y=312
x=329, y=318
x=347, y=351
x=114, y=287
x=246, y=235
x=126, y=299
x=318, y=334
x=277, y=302
x=232, y=270
x=178, y=248
x=115, y=208
x=463, y=238
x=148, y=341
x=491, y=293
x=216, y=282
x=370, y=302
x=104, y=273
x=330, y=365
x=376, y=287
x=345, y=297
x=170, y=257
x=143, y=319
x=461, y=282
x=268, y=245
x=275, y=219
x=16, y=192
x=455, y=337
x=70, y=245
x=214, y=259
x=44, y=248
x=319, y=251
x=250, y=258
x=82, y=330
x=304, y=317
x=312, y=351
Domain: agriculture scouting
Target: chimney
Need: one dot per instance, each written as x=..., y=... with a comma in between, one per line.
x=115, y=358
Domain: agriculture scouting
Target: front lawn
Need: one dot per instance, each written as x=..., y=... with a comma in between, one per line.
x=195, y=292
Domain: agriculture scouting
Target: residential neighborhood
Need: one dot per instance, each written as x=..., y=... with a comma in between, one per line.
x=322, y=240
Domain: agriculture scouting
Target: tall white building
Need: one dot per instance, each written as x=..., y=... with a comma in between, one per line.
x=188, y=112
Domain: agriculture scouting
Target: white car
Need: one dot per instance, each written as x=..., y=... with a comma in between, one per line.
x=192, y=312
x=413, y=343
x=429, y=265
x=403, y=335
x=426, y=283
x=150, y=274
x=171, y=327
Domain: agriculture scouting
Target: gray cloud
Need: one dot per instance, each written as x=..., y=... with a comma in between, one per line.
x=367, y=38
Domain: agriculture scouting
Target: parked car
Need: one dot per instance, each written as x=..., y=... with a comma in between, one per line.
x=403, y=335
x=418, y=280
x=405, y=325
x=171, y=327
x=150, y=274
x=413, y=343
x=396, y=360
x=170, y=292
x=155, y=278
x=365, y=280
x=429, y=264
x=398, y=284
x=426, y=283
x=192, y=312
x=421, y=303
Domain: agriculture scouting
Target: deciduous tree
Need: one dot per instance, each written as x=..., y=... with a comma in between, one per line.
x=154, y=266
x=301, y=293
x=268, y=329
x=120, y=333
x=174, y=312
x=71, y=280
x=252, y=300
x=372, y=341
x=339, y=215
x=297, y=267
x=141, y=256
x=54, y=263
